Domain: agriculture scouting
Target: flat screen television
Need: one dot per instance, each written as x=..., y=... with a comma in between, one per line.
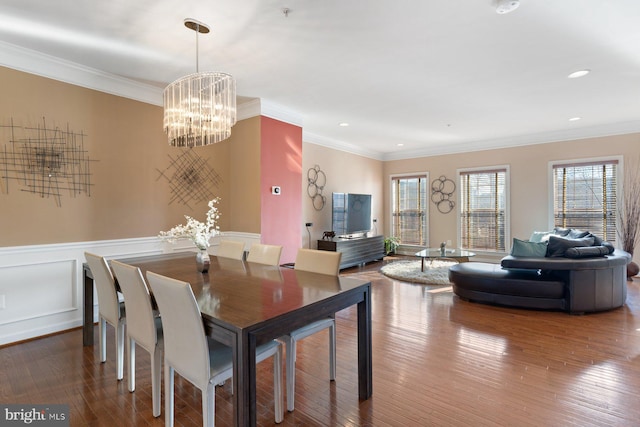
x=351, y=214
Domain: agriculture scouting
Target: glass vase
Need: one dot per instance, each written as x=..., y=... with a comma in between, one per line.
x=203, y=260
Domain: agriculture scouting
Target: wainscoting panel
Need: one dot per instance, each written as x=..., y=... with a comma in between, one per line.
x=41, y=286
x=49, y=288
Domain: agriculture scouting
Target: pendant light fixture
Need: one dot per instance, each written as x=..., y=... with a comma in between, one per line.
x=199, y=109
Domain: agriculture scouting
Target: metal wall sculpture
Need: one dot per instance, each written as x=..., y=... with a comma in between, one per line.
x=442, y=190
x=316, y=180
x=190, y=178
x=46, y=161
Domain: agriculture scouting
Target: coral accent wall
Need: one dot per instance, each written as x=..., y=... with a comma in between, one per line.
x=281, y=165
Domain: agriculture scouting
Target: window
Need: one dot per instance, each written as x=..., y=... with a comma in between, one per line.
x=409, y=209
x=585, y=196
x=483, y=209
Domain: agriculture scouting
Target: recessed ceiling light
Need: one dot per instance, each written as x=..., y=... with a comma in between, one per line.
x=506, y=6
x=343, y=124
x=401, y=145
x=575, y=119
x=579, y=73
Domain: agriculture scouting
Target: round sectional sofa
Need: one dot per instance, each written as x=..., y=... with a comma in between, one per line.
x=589, y=282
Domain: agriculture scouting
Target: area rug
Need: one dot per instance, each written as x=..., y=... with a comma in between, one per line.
x=435, y=272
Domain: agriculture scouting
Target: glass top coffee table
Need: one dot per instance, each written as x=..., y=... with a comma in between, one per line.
x=458, y=255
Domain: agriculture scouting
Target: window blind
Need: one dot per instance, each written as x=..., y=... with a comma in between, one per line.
x=585, y=197
x=483, y=209
x=409, y=213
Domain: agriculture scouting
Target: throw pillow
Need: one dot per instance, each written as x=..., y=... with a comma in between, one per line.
x=597, y=241
x=540, y=236
x=609, y=246
x=557, y=245
x=559, y=231
x=586, y=252
x=523, y=248
x=574, y=233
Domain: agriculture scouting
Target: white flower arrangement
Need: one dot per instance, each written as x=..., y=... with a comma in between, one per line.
x=199, y=233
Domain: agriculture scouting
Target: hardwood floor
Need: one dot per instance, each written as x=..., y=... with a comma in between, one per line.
x=437, y=360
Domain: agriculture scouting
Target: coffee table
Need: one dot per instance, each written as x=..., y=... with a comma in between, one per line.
x=459, y=255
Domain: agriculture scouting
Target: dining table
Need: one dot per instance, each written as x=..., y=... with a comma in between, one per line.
x=245, y=304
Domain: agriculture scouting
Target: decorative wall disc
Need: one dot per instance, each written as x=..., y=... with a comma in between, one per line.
x=442, y=190
x=316, y=180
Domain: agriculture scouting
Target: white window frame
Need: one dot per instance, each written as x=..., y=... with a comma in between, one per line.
x=427, y=211
x=507, y=201
x=577, y=162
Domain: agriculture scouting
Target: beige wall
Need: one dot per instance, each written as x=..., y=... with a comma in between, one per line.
x=243, y=174
x=345, y=173
x=127, y=142
x=528, y=171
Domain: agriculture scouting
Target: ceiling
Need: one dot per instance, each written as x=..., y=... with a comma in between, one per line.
x=411, y=78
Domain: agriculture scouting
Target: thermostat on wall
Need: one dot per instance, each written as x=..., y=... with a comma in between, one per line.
x=275, y=190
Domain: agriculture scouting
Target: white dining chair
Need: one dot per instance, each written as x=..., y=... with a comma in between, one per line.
x=144, y=327
x=264, y=254
x=110, y=309
x=201, y=360
x=315, y=261
x=230, y=249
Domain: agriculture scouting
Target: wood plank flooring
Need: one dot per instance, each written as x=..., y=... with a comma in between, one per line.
x=437, y=361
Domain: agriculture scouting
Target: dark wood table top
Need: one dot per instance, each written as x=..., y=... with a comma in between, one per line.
x=239, y=294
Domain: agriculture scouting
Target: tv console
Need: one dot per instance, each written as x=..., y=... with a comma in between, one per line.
x=355, y=251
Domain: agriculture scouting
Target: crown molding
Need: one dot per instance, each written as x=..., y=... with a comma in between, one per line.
x=335, y=144
x=282, y=113
x=248, y=109
x=263, y=107
x=40, y=64
x=621, y=128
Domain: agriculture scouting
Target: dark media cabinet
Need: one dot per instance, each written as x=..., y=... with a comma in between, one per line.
x=355, y=251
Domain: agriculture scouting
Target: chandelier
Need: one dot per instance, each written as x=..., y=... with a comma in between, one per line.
x=200, y=108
